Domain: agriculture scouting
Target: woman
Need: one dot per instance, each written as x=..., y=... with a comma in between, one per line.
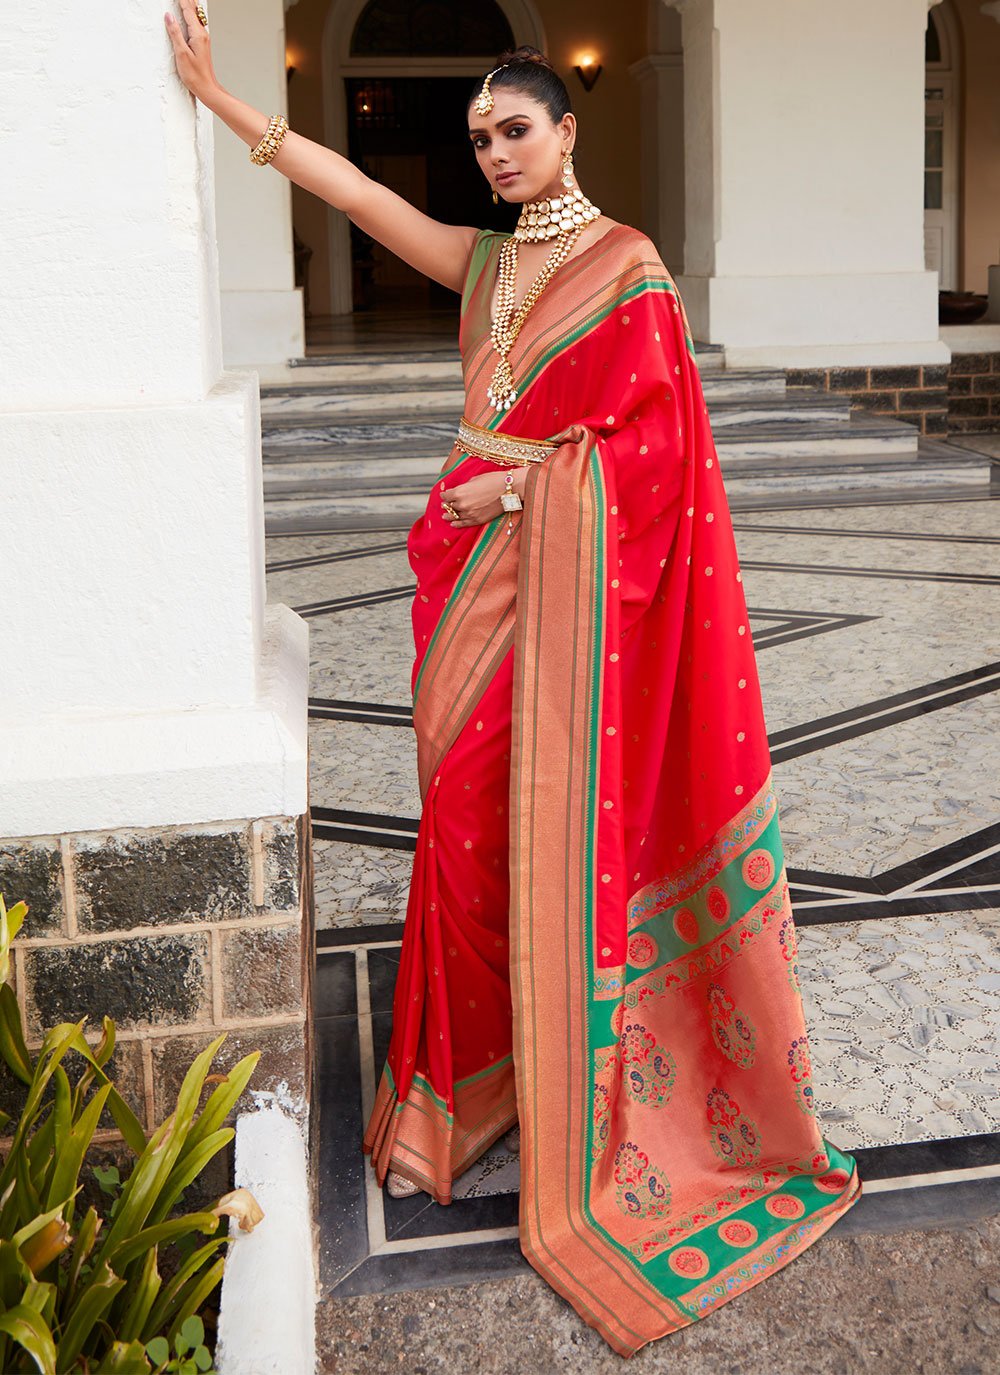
x=598, y=943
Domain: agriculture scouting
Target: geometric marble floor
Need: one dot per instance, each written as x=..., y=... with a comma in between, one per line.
x=876, y=622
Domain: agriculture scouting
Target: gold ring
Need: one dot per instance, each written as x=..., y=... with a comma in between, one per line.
x=202, y=16
x=450, y=509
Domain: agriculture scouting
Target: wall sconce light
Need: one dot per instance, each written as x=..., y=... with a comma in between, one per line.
x=588, y=69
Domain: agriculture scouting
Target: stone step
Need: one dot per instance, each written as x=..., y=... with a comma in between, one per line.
x=344, y=371
x=722, y=384
x=799, y=406
x=750, y=433
x=383, y=390
x=427, y=435
x=406, y=489
x=861, y=433
x=434, y=397
x=400, y=510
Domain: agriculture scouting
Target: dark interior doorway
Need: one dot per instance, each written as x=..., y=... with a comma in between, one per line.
x=411, y=134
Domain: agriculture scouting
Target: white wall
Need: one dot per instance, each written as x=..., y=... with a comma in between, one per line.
x=804, y=181
x=146, y=682
x=89, y=105
x=261, y=307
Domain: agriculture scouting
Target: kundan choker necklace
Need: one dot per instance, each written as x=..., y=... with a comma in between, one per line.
x=556, y=217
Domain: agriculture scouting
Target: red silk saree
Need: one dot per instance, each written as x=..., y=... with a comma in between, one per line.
x=599, y=940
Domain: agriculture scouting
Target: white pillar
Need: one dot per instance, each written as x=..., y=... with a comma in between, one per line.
x=261, y=306
x=145, y=682
x=804, y=182
x=660, y=75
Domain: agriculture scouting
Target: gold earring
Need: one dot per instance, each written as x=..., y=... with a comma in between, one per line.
x=496, y=198
x=567, y=169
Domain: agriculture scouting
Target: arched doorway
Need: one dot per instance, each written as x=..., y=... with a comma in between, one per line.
x=395, y=79
x=941, y=146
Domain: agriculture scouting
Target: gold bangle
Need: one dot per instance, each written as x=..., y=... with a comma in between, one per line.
x=274, y=135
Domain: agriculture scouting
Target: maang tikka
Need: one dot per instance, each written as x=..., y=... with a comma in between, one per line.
x=483, y=102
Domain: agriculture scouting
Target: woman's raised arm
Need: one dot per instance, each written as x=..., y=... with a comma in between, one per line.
x=438, y=250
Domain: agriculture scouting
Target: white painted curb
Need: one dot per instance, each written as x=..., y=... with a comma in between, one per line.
x=267, y=1321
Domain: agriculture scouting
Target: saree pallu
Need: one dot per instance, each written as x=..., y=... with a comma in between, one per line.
x=599, y=940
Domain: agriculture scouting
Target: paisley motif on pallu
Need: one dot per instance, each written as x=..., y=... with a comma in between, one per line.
x=735, y=1139
x=801, y=1070
x=606, y=1065
x=643, y=1190
x=608, y=634
x=788, y=940
x=649, y=1070
x=732, y=1030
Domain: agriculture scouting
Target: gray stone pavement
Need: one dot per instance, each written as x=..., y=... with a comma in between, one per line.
x=907, y=1303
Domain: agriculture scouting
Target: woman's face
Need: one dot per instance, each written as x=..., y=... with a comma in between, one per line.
x=518, y=148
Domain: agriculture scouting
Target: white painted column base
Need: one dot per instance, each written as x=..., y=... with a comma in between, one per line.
x=267, y=1318
x=807, y=321
x=90, y=773
x=262, y=327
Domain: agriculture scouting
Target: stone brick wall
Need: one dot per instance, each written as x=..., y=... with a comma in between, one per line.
x=956, y=398
x=917, y=394
x=178, y=934
x=974, y=393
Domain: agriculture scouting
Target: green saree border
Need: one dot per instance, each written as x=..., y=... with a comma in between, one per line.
x=481, y=548
x=775, y=1242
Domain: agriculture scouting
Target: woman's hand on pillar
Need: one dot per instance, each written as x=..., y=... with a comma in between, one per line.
x=192, y=51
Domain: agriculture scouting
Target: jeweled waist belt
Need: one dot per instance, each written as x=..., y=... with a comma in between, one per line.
x=507, y=449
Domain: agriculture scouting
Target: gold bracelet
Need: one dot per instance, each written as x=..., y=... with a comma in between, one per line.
x=274, y=135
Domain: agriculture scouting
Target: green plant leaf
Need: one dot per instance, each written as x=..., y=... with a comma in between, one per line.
x=198, y=1288
x=94, y=1301
x=187, y=1169
x=222, y=1099
x=62, y=1112
x=69, y=1160
x=158, y=1350
x=27, y=1327
x=12, y=1046
x=46, y=1245
x=10, y=924
x=55, y=1045
x=164, y=1232
x=15, y=1275
x=193, y=1330
x=142, y=1295
x=152, y=1169
x=203, y=1358
x=125, y=1119
x=104, y=1050
x=125, y=1358
x=170, y=1306
x=108, y=1178
x=86, y=1235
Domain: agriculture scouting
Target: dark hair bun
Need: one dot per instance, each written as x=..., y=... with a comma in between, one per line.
x=526, y=53
x=529, y=71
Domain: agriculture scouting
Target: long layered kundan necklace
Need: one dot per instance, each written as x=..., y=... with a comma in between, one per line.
x=556, y=217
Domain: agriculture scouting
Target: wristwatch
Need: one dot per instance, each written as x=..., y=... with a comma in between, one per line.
x=509, y=499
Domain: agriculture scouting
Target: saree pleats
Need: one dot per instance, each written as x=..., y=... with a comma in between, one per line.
x=598, y=805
